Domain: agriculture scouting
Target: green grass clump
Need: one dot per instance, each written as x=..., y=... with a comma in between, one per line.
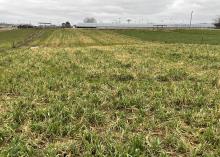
x=173, y=75
x=66, y=93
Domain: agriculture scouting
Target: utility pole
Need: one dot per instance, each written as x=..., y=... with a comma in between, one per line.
x=119, y=20
x=128, y=20
x=191, y=17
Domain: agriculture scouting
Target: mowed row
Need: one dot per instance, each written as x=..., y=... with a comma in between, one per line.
x=62, y=38
x=77, y=38
x=100, y=93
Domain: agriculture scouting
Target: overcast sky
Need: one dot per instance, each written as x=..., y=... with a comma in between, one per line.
x=156, y=11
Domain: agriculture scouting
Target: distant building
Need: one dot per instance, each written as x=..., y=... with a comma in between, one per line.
x=141, y=26
x=6, y=25
x=46, y=25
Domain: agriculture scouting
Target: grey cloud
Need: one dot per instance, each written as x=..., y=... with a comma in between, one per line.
x=57, y=11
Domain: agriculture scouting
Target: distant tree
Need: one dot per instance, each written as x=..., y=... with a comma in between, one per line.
x=128, y=20
x=25, y=26
x=217, y=23
x=66, y=25
x=63, y=25
x=90, y=20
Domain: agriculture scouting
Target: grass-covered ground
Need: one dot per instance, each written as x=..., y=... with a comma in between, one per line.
x=106, y=93
x=9, y=38
x=176, y=36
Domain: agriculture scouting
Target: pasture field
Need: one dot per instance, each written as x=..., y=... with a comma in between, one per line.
x=107, y=93
x=176, y=36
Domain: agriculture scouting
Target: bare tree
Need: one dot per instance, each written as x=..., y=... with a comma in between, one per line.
x=90, y=20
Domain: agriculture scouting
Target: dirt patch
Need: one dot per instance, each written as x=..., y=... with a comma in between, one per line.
x=34, y=48
x=5, y=29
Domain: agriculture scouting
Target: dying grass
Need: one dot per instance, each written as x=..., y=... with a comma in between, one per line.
x=5, y=29
x=77, y=95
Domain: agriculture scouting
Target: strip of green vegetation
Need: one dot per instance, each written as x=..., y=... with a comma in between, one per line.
x=7, y=38
x=176, y=36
